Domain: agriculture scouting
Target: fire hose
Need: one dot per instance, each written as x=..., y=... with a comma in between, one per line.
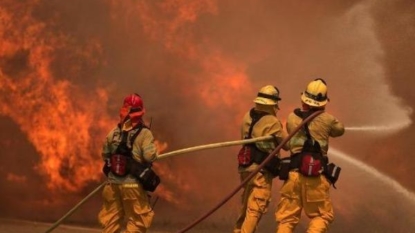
x=267, y=159
x=198, y=148
x=161, y=156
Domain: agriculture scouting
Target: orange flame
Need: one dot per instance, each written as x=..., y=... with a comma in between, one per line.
x=53, y=113
x=65, y=122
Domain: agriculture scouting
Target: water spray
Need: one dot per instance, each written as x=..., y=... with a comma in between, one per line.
x=376, y=128
x=386, y=179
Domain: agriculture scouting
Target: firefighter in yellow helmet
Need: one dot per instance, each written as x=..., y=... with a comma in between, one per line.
x=307, y=185
x=128, y=151
x=260, y=121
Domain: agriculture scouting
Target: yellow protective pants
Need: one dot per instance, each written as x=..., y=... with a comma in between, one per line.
x=308, y=193
x=255, y=200
x=125, y=203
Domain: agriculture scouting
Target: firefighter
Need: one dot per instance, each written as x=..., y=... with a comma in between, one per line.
x=126, y=203
x=259, y=121
x=302, y=191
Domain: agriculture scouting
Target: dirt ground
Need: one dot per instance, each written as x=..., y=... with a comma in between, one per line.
x=20, y=226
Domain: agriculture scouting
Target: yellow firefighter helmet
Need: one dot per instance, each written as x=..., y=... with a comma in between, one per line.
x=316, y=93
x=268, y=95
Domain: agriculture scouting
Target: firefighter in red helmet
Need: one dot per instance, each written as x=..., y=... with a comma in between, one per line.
x=127, y=151
x=310, y=174
x=260, y=121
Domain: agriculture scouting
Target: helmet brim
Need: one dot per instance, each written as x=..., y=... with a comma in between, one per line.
x=265, y=101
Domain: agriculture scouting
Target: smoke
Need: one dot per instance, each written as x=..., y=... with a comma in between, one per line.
x=391, y=154
x=66, y=65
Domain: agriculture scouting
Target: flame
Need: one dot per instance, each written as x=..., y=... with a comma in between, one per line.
x=63, y=122
x=67, y=121
x=59, y=80
x=222, y=79
x=59, y=118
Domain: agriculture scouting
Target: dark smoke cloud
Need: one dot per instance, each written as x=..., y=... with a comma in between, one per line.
x=286, y=44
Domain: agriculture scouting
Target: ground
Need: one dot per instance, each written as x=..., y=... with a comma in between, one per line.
x=20, y=226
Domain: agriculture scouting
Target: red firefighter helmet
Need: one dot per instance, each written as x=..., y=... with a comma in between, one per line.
x=133, y=101
x=133, y=109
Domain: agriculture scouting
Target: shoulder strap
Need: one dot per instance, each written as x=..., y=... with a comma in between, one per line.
x=255, y=116
x=307, y=131
x=304, y=115
x=310, y=143
x=122, y=147
x=134, y=136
